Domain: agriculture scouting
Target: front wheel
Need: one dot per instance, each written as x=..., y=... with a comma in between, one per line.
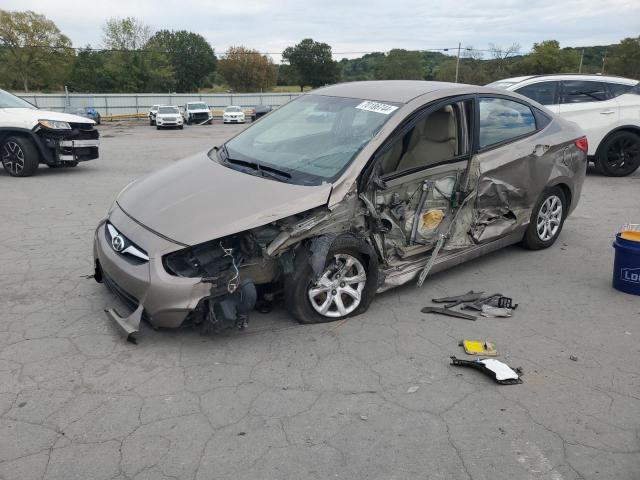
x=20, y=157
x=345, y=287
x=547, y=219
x=619, y=155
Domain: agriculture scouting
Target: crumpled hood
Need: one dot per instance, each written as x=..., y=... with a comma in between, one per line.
x=197, y=199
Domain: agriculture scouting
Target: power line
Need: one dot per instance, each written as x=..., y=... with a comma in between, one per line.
x=154, y=50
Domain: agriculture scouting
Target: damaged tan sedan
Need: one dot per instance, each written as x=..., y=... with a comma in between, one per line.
x=344, y=192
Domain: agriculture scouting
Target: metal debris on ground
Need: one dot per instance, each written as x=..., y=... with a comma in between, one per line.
x=494, y=305
x=479, y=347
x=499, y=371
x=573, y=357
x=449, y=312
x=489, y=311
x=413, y=389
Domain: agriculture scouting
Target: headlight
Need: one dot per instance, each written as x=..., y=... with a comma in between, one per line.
x=54, y=124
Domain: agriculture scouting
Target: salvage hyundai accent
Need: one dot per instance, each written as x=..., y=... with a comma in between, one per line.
x=344, y=192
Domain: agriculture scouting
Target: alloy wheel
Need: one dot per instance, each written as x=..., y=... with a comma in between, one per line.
x=549, y=218
x=624, y=153
x=13, y=157
x=338, y=291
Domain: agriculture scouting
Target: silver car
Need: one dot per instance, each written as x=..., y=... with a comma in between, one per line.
x=346, y=191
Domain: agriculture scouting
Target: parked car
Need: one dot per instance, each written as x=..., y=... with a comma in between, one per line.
x=197, y=112
x=152, y=114
x=607, y=108
x=400, y=180
x=88, y=112
x=168, y=116
x=233, y=114
x=260, y=111
x=29, y=137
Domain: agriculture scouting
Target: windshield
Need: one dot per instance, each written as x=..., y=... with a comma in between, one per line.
x=232, y=109
x=500, y=84
x=197, y=106
x=11, y=101
x=168, y=110
x=313, y=138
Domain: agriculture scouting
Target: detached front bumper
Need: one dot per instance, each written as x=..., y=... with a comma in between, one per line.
x=143, y=287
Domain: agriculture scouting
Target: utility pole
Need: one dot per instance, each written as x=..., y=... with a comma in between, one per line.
x=458, y=62
x=581, y=58
x=604, y=59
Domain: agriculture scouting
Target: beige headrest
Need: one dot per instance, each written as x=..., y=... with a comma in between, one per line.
x=439, y=126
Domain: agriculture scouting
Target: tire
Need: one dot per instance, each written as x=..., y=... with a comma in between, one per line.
x=300, y=284
x=619, y=155
x=151, y=122
x=538, y=234
x=181, y=127
x=158, y=127
x=20, y=157
x=98, y=120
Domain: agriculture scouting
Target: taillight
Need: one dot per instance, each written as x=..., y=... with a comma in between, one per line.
x=582, y=144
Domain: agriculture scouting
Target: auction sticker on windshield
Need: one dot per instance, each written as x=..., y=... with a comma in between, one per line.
x=383, y=108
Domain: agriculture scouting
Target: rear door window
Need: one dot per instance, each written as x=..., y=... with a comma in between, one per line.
x=618, y=89
x=502, y=120
x=545, y=93
x=580, y=91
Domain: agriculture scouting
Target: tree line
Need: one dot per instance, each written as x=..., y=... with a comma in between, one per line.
x=133, y=57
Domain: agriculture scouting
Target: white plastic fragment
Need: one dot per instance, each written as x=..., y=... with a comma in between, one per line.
x=502, y=370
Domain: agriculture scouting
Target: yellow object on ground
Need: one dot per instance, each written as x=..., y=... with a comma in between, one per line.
x=479, y=347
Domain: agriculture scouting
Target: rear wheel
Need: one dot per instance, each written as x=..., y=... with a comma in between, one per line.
x=619, y=155
x=547, y=219
x=151, y=122
x=20, y=157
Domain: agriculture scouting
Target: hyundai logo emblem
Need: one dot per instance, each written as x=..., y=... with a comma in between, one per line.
x=117, y=243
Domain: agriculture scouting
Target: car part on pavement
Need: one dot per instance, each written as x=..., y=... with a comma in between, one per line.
x=479, y=347
x=448, y=312
x=490, y=311
x=452, y=301
x=499, y=371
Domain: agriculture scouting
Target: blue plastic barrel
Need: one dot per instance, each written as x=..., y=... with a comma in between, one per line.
x=626, y=266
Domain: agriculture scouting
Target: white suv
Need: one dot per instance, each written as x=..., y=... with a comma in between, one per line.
x=607, y=108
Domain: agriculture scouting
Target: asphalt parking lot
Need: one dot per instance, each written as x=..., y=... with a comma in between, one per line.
x=282, y=400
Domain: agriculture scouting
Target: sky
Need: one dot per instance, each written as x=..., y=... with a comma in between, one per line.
x=356, y=25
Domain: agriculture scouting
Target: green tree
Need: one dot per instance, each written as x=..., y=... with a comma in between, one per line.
x=312, y=62
x=625, y=58
x=548, y=57
x=136, y=68
x=401, y=64
x=362, y=68
x=191, y=57
x=34, y=53
x=246, y=70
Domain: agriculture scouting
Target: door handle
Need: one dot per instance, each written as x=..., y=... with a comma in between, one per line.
x=607, y=112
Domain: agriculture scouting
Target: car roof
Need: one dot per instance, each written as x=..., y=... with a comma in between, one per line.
x=400, y=91
x=572, y=76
